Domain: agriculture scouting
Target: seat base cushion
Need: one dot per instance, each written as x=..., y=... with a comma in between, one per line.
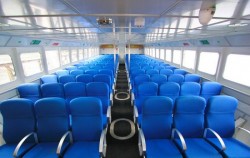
x=83, y=149
x=161, y=148
x=234, y=148
x=6, y=151
x=199, y=147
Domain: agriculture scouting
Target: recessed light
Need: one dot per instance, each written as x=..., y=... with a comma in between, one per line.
x=238, y=25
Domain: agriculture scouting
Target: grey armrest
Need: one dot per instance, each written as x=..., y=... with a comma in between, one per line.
x=111, y=99
x=22, y=141
x=109, y=114
x=59, y=147
x=103, y=144
x=141, y=143
x=183, y=143
x=223, y=146
x=132, y=98
x=135, y=114
x=243, y=129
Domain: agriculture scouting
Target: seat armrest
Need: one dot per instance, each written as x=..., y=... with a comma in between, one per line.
x=141, y=143
x=223, y=146
x=135, y=114
x=109, y=114
x=111, y=99
x=183, y=143
x=132, y=98
x=103, y=143
x=245, y=130
x=59, y=147
x=22, y=141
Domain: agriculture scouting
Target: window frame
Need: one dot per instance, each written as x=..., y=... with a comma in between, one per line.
x=42, y=66
x=195, y=60
x=59, y=59
x=173, y=50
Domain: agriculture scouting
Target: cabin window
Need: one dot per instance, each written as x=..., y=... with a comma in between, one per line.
x=237, y=69
x=162, y=54
x=157, y=53
x=52, y=59
x=7, y=71
x=153, y=52
x=32, y=63
x=208, y=62
x=85, y=53
x=80, y=51
x=168, y=55
x=64, y=57
x=73, y=55
x=189, y=58
x=177, y=57
x=90, y=53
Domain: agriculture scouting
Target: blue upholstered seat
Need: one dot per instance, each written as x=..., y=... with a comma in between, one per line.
x=52, y=124
x=29, y=91
x=85, y=78
x=192, y=78
x=101, y=91
x=76, y=72
x=159, y=78
x=105, y=79
x=152, y=72
x=52, y=90
x=166, y=72
x=48, y=79
x=190, y=88
x=86, y=135
x=92, y=71
x=66, y=79
x=220, y=117
x=209, y=89
x=19, y=121
x=60, y=73
x=169, y=89
x=180, y=71
x=156, y=124
x=178, y=78
x=139, y=79
x=189, y=120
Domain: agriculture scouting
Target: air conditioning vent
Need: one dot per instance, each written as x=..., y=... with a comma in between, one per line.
x=104, y=21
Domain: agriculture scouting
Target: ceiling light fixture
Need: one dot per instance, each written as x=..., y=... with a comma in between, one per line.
x=238, y=25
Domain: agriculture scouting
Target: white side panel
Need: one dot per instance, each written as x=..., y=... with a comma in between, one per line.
x=17, y=42
x=4, y=40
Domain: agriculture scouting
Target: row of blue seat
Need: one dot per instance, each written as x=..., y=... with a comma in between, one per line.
x=44, y=130
x=190, y=128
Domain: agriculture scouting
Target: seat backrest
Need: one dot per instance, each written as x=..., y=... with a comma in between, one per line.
x=139, y=79
x=171, y=68
x=52, y=119
x=219, y=115
x=189, y=116
x=85, y=78
x=70, y=68
x=190, y=88
x=159, y=67
x=18, y=119
x=86, y=115
x=156, y=121
x=152, y=71
x=103, y=78
x=159, y=78
x=180, y=71
x=192, y=78
x=60, y=73
x=66, y=79
x=52, y=90
x=147, y=89
x=169, y=89
x=83, y=68
x=91, y=72
x=73, y=90
x=48, y=79
x=76, y=72
x=107, y=72
x=99, y=90
x=29, y=91
x=166, y=71
x=136, y=72
x=178, y=78
x=209, y=89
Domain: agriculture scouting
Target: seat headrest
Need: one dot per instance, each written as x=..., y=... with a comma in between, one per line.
x=156, y=105
x=190, y=104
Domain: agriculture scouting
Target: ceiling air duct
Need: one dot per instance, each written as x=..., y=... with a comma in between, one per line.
x=207, y=11
x=139, y=22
